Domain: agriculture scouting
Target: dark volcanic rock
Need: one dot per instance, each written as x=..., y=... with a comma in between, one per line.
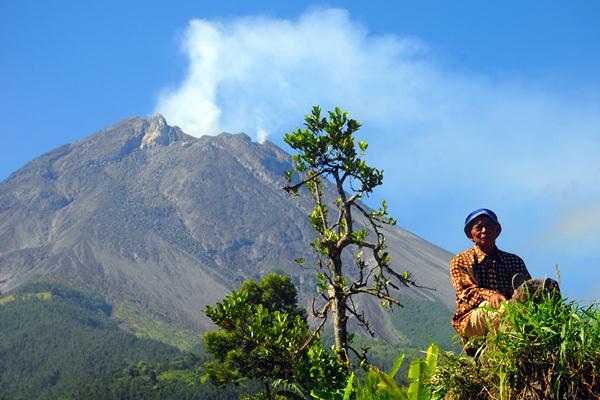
x=143, y=212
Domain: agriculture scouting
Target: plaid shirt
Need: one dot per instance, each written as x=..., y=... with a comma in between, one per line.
x=476, y=277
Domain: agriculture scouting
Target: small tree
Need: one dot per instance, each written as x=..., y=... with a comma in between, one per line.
x=264, y=335
x=327, y=152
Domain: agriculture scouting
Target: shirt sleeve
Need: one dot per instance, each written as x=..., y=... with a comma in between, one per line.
x=468, y=294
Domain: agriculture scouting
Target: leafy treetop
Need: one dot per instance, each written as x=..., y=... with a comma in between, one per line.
x=264, y=335
x=327, y=151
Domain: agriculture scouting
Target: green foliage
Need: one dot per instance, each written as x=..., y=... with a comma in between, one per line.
x=329, y=144
x=54, y=337
x=176, y=379
x=145, y=326
x=378, y=385
x=549, y=350
x=421, y=322
x=264, y=335
x=275, y=292
x=327, y=151
x=346, y=394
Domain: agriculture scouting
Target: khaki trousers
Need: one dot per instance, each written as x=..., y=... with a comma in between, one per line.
x=483, y=320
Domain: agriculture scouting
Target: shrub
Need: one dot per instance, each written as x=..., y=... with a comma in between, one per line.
x=378, y=385
x=549, y=350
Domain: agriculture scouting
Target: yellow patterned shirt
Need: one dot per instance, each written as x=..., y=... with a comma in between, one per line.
x=476, y=277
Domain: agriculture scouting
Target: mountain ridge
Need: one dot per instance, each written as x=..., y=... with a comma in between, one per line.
x=144, y=213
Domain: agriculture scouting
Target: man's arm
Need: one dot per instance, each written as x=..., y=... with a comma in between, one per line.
x=468, y=294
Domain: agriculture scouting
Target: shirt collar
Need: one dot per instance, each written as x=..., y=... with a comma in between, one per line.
x=480, y=255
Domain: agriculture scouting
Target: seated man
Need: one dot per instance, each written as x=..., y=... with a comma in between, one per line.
x=482, y=276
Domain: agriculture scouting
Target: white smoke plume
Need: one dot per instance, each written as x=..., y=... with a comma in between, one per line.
x=261, y=73
x=447, y=140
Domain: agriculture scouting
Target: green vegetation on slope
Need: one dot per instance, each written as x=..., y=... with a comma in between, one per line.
x=57, y=340
x=54, y=337
x=177, y=379
x=144, y=326
x=421, y=322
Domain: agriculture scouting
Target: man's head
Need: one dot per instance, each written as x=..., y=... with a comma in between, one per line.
x=482, y=228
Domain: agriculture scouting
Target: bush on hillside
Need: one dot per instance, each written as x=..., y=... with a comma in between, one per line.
x=549, y=350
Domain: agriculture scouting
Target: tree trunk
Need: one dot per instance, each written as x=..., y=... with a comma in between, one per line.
x=338, y=308
x=339, y=327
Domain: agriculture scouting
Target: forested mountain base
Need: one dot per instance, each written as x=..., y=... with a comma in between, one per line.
x=176, y=379
x=55, y=340
x=58, y=341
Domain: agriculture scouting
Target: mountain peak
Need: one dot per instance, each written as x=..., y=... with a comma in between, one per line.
x=159, y=119
x=158, y=133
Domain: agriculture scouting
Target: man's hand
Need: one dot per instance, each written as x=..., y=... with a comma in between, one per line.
x=496, y=299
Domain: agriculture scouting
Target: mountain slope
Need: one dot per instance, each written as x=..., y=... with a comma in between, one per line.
x=54, y=338
x=145, y=214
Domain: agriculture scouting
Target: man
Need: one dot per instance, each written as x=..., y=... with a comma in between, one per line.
x=482, y=276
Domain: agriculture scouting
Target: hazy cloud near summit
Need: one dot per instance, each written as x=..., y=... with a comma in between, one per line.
x=261, y=74
x=447, y=140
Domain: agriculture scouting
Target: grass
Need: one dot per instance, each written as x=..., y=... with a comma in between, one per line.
x=545, y=350
x=549, y=350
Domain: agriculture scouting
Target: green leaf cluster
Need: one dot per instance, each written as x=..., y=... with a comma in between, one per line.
x=378, y=385
x=264, y=335
x=327, y=144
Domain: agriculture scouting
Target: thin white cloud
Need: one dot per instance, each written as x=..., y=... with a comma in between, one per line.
x=444, y=138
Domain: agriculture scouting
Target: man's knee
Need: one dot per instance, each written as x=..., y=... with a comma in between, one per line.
x=483, y=320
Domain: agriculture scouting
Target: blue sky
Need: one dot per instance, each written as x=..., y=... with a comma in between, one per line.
x=464, y=104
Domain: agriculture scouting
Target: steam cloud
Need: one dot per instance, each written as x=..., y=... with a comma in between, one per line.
x=468, y=139
x=263, y=74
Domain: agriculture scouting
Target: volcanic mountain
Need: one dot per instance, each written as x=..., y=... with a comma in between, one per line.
x=143, y=213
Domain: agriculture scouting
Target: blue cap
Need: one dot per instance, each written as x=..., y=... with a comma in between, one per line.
x=477, y=213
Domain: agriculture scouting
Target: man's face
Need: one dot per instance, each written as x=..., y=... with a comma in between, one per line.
x=484, y=232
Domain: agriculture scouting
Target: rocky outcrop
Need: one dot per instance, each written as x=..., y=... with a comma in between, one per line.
x=158, y=133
